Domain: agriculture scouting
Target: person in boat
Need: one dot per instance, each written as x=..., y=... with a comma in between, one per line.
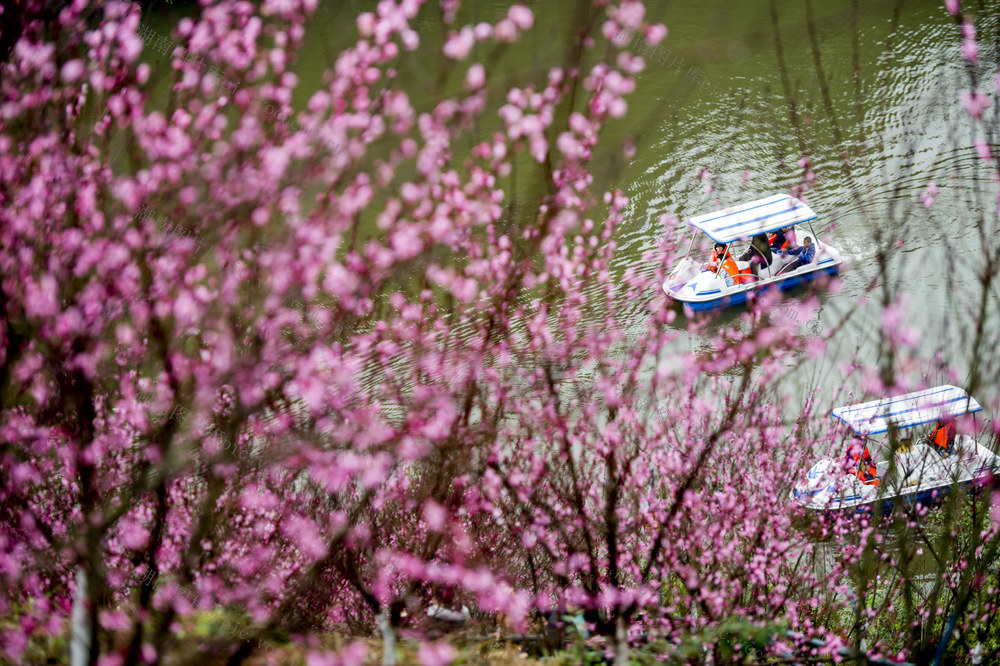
x=806, y=253
x=861, y=465
x=445, y=609
x=729, y=268
x=777, y=240
x=942, y=437
x=758, y=253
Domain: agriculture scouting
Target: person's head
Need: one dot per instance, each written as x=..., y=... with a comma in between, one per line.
x=720, y=248
x=808, y=241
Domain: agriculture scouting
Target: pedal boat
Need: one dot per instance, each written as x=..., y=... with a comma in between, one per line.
x=734, y=227
x=920, y=475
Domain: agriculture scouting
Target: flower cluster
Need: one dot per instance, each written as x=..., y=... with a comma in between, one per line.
x=165, y=226
x=403, y=388
x=164, y=46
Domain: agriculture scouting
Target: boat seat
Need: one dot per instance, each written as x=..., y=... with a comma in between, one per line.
x=777, y=261
x=780, y=261
x=881, y=468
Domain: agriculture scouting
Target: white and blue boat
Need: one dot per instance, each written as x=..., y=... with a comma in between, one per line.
x=916, y=472
x=690, y=284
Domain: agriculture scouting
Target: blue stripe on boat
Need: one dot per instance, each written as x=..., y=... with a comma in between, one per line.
x=878, y=414
x=741, y=296
x=728, y=225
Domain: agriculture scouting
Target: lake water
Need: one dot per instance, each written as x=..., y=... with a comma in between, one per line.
x=884, y=96
x=868, y=91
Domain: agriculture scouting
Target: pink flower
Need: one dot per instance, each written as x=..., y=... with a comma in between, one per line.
x=617, y=108
x=134, y=536
x=629, y=14
x=970, y=48
x=72, y=70
x=434, y=515
x=974, y=102
x=929, y=195
x=406, y=242
x=538, y=147
x=610, y=31
x=310, y=389
x=475, y=77
x=410, y=39
x=366, y=24
x=459, y=44
x=632, y=64
x=438, y=653
x=315, y=658
x=354, y=654
x=482, y=31
x=983, y=149
x=655, y=34
x=951, y=6
x=303, y=533
x=440, y=424
x=41, y=298
x=186, y=310
x=506, y=31
x=521, y=16
x=628, y=149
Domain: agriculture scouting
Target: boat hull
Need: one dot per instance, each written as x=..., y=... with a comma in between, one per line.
x=922, y=477
x=885, y=505
x=737, y=297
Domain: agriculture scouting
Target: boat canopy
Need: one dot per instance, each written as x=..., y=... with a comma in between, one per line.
x=750, y=219
x=906, y=411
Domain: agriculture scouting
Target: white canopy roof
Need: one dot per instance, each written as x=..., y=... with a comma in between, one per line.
x=906, y=411
x=756, y=217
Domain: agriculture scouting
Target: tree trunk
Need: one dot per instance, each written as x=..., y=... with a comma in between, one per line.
x=388, y=638
x=621, y=643
x=81, y=632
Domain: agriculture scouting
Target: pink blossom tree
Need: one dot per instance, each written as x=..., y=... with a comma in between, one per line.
x=306, y=366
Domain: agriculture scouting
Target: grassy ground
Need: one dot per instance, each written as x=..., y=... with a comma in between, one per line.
x=203, y=639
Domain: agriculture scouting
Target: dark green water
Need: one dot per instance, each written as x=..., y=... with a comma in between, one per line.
x=868, y=91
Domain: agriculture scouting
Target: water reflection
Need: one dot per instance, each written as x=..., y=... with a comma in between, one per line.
x=899, y=122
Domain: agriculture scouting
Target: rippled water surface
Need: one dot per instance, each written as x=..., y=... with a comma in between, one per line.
x=869, y=95
x=868, y=91
x=888, y=123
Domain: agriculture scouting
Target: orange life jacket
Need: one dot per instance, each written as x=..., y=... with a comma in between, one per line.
x=770, y=240
x=728, y=264
x=865, y=470
x=746, y=276
x=943, y=435
x=868, y=475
